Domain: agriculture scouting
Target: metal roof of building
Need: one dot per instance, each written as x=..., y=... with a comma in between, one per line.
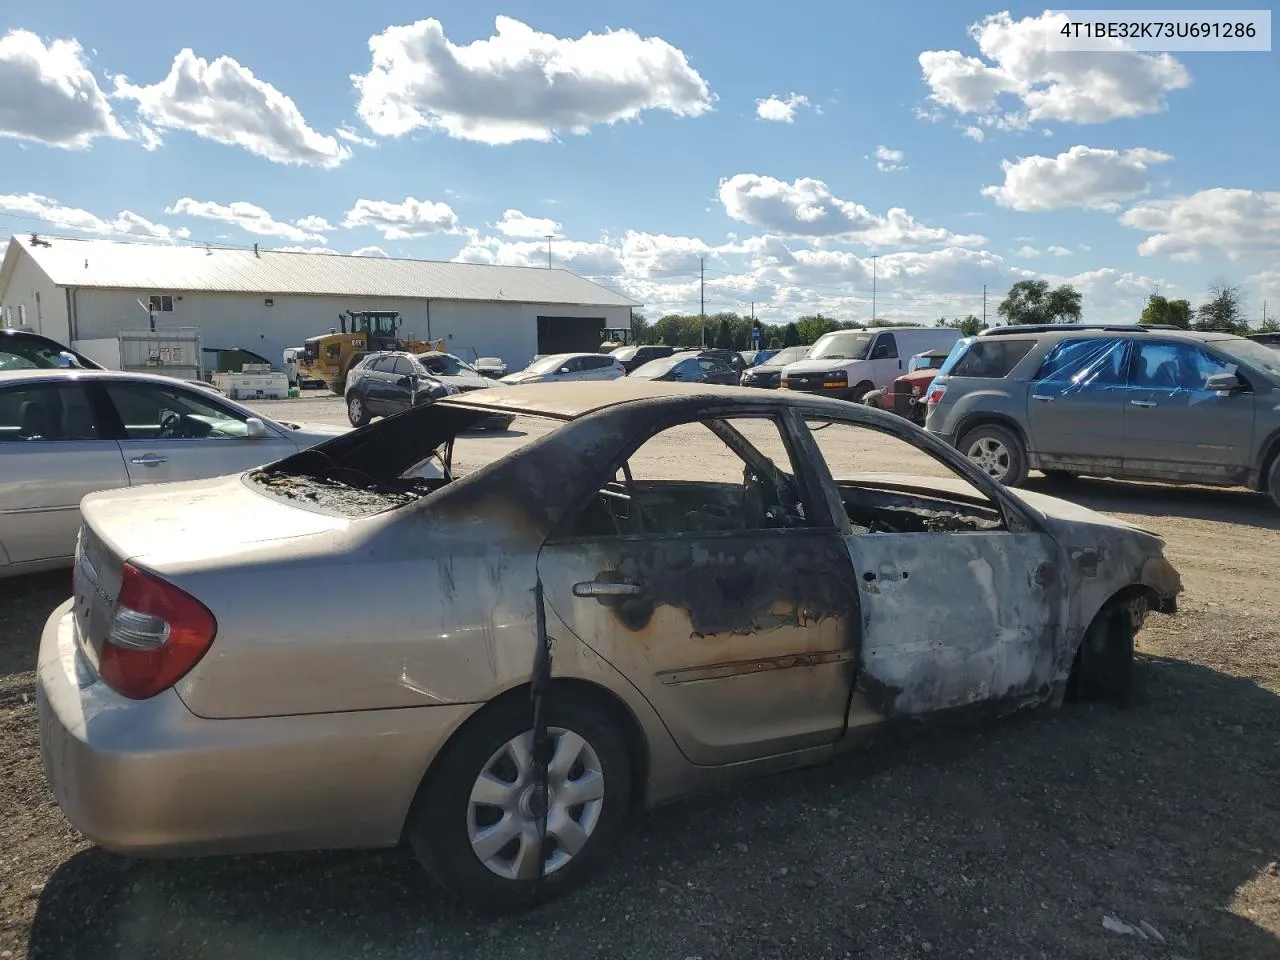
x=75, y=262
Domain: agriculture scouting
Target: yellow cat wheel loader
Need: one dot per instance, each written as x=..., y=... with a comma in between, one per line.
x=328, y=357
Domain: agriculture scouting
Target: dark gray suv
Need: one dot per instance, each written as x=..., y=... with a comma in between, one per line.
x=1128, y=402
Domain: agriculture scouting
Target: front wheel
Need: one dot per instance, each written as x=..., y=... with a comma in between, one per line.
x=475, y=826
x=1273, y=484
x=1103, y=668
x=997, y=452
x=357, y=411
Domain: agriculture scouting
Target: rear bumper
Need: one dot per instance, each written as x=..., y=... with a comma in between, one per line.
x=150, y=778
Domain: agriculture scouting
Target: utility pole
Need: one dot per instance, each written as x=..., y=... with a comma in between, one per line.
x=873, y=289
x=550, y=237
x=1264, y=313
x=702, y=297
x=984, y=306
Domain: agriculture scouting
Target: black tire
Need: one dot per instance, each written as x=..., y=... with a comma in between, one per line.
x=1103, y=668
x=1009, y=467
x=859, y=393
x=438, y=823
x=1273, y=482
x=357, y=410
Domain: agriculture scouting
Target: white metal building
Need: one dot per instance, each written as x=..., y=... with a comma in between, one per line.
x=76, y=289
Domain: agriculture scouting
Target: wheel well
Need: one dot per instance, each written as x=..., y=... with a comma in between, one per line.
x=1132, y=592
x=1273, y=452
x=994, y=419
x=637, y=745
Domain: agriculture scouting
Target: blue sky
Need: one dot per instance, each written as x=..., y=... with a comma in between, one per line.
x=786, y=146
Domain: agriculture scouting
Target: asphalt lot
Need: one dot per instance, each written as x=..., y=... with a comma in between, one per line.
x=1011, y=839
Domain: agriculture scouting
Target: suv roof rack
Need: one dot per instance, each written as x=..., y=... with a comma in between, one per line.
x=1016, y=328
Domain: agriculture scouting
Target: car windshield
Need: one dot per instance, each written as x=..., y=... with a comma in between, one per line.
x=656, y=368
x=1259, y=356
x=444, y=364
x=844, y=345
x=547, y=364
x=783, y=357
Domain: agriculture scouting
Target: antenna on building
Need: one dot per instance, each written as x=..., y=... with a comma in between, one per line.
x=255, y=250
x=208, y=250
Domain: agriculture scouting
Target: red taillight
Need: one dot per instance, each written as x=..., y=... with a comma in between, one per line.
x=158, y=633
x=936, y=390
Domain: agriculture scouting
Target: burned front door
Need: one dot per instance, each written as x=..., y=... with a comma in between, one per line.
x=727, y=600
x=957, y=608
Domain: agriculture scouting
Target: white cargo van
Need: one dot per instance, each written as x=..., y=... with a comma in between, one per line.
x=849, y=363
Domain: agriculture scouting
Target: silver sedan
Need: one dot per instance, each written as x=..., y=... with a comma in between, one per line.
x=665, y=587
x=68, y=433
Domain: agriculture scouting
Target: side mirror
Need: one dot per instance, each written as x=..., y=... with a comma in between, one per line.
x=563, y=370
x=1223, y=384
x=66, y=361
x=405, y=381
x=255, y=429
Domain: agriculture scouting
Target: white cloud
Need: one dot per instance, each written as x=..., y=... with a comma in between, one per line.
x=781, y=109
x=1026, y=251
x=1268, y=284
x=520, y=84
x=304, y=250
x=1087, y=177
x=314, y=224
x=346, y=133
x=224, y=102
x=516, y=224
x=808, y=208
x=370, y=252
x=1074, y=87
x=247, y=216
x=405, y=220
x=888, y=160
x=975, y=133
x=48, y=93
x=126, y=223
x=1238, y=223
x=1059, y=251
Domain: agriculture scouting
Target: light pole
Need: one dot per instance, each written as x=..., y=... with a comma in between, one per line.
x=550, y=237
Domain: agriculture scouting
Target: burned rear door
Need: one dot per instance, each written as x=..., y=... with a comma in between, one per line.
x=956, y=607
x=728, y=600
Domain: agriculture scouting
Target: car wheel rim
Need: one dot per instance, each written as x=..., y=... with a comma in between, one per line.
x=502, y=811
x=991, y=457
x=354, y=410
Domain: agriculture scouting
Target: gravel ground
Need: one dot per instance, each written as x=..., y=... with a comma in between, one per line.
x=1010, y=839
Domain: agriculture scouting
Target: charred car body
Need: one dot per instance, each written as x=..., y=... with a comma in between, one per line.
x=586, y=633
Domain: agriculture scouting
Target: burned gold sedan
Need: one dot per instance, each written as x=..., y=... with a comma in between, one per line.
x=494, y=647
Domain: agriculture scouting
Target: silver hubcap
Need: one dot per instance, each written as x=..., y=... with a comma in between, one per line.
x=354, y=408
x=502, y=815
x=991, y=457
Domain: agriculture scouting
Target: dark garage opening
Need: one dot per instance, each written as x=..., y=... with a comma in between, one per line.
x=570, y=334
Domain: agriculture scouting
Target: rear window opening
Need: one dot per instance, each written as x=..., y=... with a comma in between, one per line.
x=396, y=461
x=988, y=359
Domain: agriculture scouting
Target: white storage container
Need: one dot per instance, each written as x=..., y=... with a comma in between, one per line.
x=253, y=386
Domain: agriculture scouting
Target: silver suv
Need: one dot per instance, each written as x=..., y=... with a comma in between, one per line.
x=1146, y=403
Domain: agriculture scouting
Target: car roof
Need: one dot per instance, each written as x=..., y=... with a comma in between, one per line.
x=577, y=398
x=77, y=373
x=1064, y=330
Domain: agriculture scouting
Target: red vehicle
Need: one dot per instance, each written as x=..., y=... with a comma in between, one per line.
x=905, y=396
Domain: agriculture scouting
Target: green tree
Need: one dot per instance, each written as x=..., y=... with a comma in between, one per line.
x=641, y=331
x=791, y=336
x=814, y=325
x=1269, y=325
x=1223, y=312
x=1162, y=311
x=724, y=335
x=970, y=326
x=1031, y=301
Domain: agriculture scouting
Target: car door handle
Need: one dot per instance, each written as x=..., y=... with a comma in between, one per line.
x=601, y=588
x=1143, y=403
x=149, y=460
x=1042, y=399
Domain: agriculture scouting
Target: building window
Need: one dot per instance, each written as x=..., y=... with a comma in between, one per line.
x=161, y=304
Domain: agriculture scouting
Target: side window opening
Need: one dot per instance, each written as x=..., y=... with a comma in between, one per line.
x=44, y=412
x=991, y=358
x=744, y=480
x=1084, y=363
x=886, y=348
x=1174, y=366
x=888, y=485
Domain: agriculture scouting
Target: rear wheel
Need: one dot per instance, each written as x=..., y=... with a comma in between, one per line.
x=475, y=825
x=357, y=412
x=997, y=452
